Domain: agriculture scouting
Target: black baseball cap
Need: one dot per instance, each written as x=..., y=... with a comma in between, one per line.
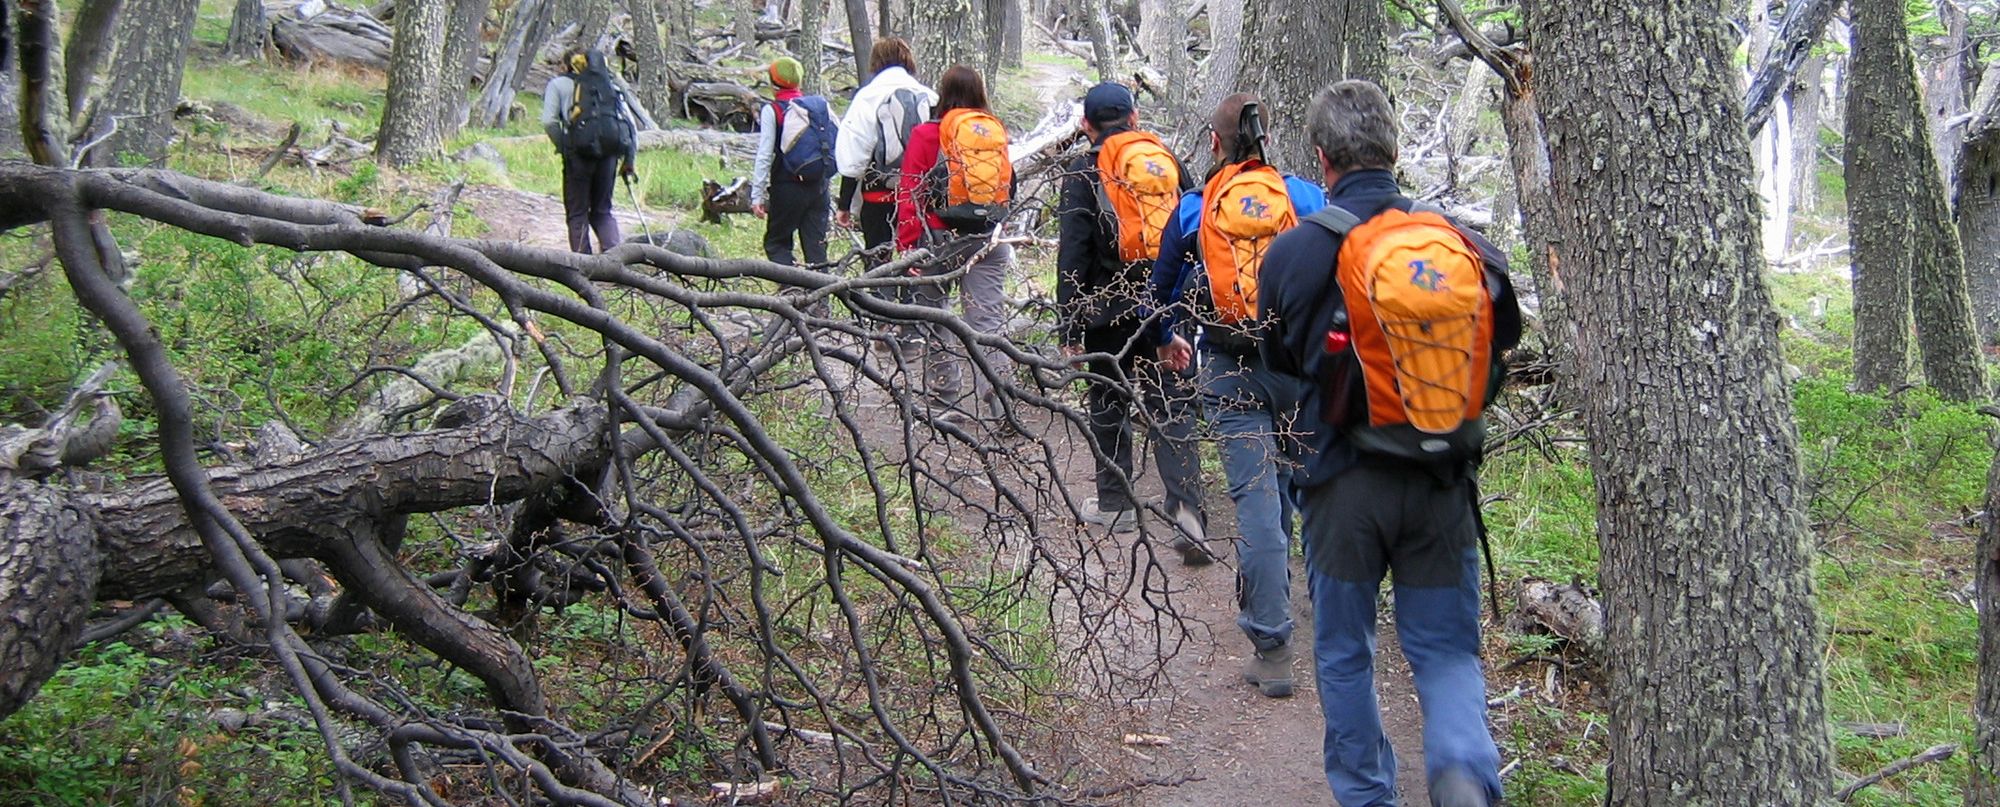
x=1108, y=102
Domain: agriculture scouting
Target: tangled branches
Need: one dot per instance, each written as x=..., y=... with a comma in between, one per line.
x=885, y=593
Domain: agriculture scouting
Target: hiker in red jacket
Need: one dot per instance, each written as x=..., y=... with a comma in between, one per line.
x=983, y=287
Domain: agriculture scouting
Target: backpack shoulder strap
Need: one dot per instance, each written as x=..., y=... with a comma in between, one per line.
x=1336, y=219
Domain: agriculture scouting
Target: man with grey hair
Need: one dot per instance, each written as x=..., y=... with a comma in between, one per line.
x=1367, y=512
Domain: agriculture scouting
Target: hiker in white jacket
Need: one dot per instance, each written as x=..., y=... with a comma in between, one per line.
x=868, y=161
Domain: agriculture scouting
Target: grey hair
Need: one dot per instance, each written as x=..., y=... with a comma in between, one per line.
x=1351, y=123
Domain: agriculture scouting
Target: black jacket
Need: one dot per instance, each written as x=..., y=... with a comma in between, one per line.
x=1094, y=290
x=1296, y=299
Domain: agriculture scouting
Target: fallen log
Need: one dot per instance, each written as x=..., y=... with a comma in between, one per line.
x=717, y=199
x=315, y=34
x=1567, y=610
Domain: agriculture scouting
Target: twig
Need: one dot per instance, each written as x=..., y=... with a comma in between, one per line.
x=1935, y=753
x=278, y=155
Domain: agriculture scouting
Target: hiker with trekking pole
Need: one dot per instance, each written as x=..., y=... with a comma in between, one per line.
x=596, y=131
x=1385, y=323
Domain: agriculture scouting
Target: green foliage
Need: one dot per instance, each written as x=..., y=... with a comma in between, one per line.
x=124, y=725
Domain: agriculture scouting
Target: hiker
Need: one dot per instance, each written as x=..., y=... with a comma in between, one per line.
x=1210, y=252
x=788, y=185
x=1391, y=351
x=596, y=131
x=1101, y=274
x=956, y=183
x=873, y=134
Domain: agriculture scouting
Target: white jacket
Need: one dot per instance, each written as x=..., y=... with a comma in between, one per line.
x=855, y=146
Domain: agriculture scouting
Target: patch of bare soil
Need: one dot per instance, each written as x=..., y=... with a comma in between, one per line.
x=536, y=219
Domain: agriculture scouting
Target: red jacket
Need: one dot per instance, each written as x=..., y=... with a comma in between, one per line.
x=920, y=154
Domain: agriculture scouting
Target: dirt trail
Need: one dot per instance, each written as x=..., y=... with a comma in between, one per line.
x=1230, y=745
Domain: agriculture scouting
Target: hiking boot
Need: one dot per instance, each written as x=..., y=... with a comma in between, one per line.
x=1271, y=671
x=1457, y=788
x=1126, y=520
x=1189, y=538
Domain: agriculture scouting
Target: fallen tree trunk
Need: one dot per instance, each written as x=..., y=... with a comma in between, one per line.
x=46, y=582
x=315, y=34
x=1567, y=610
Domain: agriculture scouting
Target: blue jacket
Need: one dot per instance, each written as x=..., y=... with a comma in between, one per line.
x=1180, y=252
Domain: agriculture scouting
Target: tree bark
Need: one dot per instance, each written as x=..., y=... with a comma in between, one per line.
x=46, y=581
x=1103, y=49
x=1945, y=83
x=412, y=128
x=1714, y=644
x=1806, y=95
x=1878, y=144
x=461, y=57
x=812, y=18
x=942, y=35
x=137, y=110
x=1983, y=786
x=860, y=36
x=1367, y=41
x=1978, y=193
x=89, y=42
x=1163, y=34
x=1801, y=28
x=1292, y=49
x=249, y=30
x=527, y=30
x=1013, y=30
x=1899, y=221
x=651, y=48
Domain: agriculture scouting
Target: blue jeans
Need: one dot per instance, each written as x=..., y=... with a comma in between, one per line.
x=1357, y=527
x=1238, y=403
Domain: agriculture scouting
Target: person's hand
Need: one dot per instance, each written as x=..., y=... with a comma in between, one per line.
x=1176, y=354
x=758, y=210
x=844, y=219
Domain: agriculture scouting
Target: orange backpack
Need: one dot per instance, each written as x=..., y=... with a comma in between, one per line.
x=1244, y=207
x=977, y=176
x=1415, y=364
x=1139, y=182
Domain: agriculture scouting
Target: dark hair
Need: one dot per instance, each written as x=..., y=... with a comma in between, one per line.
x=1352, y=124
x=1227, y=123
x=961, y=88
x=891, y=52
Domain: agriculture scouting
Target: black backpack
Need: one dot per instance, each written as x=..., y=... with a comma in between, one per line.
x=597, y=127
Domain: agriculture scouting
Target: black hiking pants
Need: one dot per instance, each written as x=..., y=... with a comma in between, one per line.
x=588, y=186
x=796, y=208
x=1169, y=411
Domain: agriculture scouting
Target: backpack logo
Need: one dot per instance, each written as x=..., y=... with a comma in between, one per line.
x=1424, y=277
x=1246, y=206
x=1138, y=186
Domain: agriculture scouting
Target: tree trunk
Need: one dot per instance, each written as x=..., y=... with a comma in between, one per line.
x=412, y=128
x=859, y=36
x=1899, y=222
x=89, y=42
x=1978, y=193
x=461, y=57
x=593, y=20
x=1292, y=49
x=248, y=31
x=1013, y=30
x=1103, y=49
x=1983, y=787
x=527, y=30
x=942, y=35
x=47, y=578
x=1878, y=144
x=1163, y=35
x=1367, y=41
x=812, y=17
x=1805, y=97
x=1944, y=83
x=150, y=50
x=652, y=52
x=1714, y=643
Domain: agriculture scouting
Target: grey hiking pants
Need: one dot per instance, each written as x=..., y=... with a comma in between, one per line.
x=983, y=294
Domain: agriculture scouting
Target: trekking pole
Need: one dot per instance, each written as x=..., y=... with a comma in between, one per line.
x=640, y=211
